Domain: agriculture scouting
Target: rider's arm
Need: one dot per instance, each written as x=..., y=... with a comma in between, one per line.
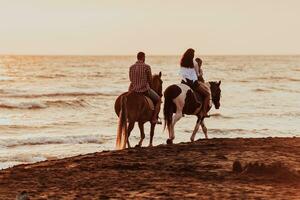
x=130, y=74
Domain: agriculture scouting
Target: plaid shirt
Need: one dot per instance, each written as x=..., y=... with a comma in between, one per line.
x=140, y=77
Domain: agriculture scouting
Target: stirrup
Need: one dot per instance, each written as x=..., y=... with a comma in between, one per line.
x=157, y=121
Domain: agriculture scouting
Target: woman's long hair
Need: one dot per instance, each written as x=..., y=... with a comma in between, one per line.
x=187, y=59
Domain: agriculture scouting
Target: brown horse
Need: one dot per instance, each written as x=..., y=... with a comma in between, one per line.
x=180, y=99
x=132, y=107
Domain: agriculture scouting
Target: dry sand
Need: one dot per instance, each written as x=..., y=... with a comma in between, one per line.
x=199, y=170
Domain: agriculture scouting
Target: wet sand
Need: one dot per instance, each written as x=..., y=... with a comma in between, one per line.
x=199, y=170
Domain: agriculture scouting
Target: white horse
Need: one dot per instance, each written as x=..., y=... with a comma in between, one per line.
x=181, y=99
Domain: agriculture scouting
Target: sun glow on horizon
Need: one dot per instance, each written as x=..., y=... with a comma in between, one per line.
x=156, y=27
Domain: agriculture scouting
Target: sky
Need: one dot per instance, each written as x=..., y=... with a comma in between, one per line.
x=158, y=27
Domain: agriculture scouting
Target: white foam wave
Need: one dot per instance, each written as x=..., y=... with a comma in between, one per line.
x=57, y=94
x=6, y=162
x=44, y=104
x=22, y=105
x=75, y=103
x=81, y=139
x=103, y=92
x=114, y=90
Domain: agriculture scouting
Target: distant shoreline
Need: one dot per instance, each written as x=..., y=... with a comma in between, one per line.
x=196, y=170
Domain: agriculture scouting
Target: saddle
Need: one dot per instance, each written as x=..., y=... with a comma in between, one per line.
x=150, y=102
x=197, y=96
x=147, y=99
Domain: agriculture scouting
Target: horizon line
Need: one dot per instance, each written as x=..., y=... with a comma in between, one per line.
x=125, y=55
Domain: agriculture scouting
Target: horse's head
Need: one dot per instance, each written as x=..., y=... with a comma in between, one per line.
x=157, y=84
x=215, y=93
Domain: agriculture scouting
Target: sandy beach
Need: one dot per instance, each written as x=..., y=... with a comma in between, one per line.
x=63, y=65
x=203, y=169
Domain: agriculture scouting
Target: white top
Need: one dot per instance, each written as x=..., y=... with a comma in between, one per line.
x=190, y=73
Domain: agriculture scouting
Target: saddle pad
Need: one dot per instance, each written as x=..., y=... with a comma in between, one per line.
x=150, y=102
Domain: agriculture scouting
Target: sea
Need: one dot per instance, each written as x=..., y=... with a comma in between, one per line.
x=59, y=106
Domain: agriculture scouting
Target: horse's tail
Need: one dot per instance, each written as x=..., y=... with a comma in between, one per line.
x=122, y=125
x=169, y=107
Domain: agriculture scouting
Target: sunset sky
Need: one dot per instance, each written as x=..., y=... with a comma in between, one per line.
x=123, y=27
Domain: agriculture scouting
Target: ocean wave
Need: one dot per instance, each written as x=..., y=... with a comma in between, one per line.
x=219, y=115
x=224, y=132
x=276, y=114
x=242, y=81
x=261, y=90
x=278, y=78
x=81, y=139
x=18, y=126
x=45, y=104
x=22, y=158
x=51, y=76
x=64, y=94
x=284, y=89
x=22, y=105
x=294, y=79
x=6, y=162
x=238, y=132
x=75, y=103
x=274, y=88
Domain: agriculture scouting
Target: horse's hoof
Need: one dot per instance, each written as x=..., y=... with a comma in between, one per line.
x=137, y=146
x=169, y=141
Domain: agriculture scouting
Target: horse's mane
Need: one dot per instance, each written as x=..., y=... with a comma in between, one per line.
x=156, y=77
x=158, y=83
x=215, y=89
x=215, y=83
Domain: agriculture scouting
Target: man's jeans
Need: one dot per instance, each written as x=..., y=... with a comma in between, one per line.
x=153, y=95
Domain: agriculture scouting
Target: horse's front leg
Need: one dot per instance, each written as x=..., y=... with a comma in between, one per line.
x=130, y=128
x=204, y=129
x=151, y=134
x=199, y=121
x=141, y=126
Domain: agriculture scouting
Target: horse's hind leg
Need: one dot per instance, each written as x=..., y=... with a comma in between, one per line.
x=130, y=127
x=141, y=126
x=199, y=121
x=175, y=119
x=151, y=134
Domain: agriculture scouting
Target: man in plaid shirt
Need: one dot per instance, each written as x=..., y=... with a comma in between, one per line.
x=140, y=81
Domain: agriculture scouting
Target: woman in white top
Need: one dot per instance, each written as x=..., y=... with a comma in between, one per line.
x=190, y=72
